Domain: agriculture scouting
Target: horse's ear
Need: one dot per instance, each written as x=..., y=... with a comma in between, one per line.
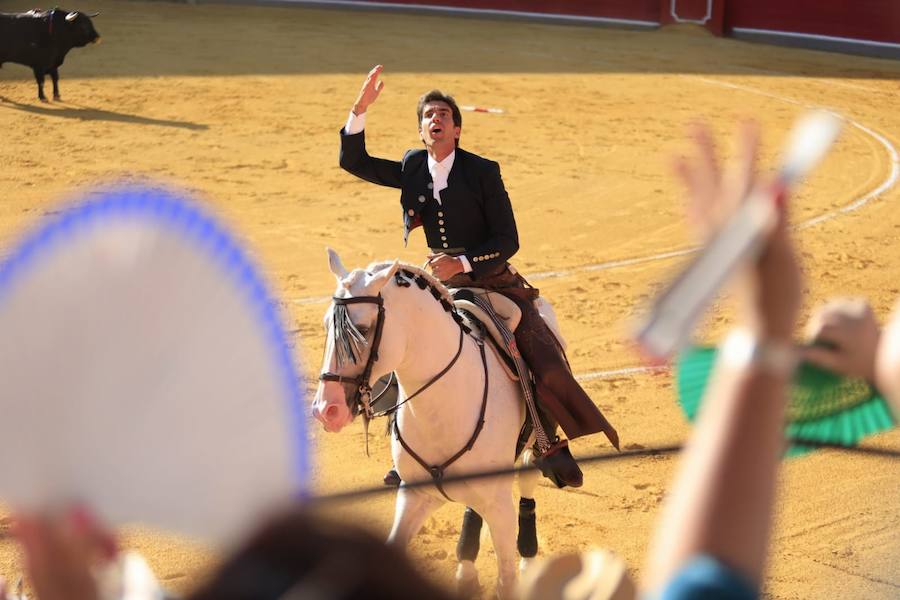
x=394, y=268
x=335, y=264
x=381, y=278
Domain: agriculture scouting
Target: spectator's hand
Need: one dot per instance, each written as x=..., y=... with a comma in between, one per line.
x=845, y=335
x=771, y=291
x=371, y=88
x=887, y=362
x=61, y=551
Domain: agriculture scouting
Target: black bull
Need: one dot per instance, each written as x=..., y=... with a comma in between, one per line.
x=41, y=40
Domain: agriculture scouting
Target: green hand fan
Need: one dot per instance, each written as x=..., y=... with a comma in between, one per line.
x=825, y=408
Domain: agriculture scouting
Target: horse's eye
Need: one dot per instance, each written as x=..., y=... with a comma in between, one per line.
x=363, y=330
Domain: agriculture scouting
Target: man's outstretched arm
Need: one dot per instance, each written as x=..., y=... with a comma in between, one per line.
x=354, y=158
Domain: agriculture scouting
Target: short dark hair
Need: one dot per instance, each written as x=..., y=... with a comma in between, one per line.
x=299, y=550
x=439, y=96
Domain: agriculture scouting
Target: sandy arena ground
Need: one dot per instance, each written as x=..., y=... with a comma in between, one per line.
x=243, y=104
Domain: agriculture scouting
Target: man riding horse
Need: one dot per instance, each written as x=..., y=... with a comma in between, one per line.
x=460, y=201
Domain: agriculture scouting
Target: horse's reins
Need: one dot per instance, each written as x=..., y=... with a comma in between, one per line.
x=362, y=399
x=437, y=471
x=433, y=380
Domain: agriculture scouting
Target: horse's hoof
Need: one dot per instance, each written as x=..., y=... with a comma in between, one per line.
x=469, y=589
x=524, y=564
x=506, y=592
x=467, y=584
x=392, y=478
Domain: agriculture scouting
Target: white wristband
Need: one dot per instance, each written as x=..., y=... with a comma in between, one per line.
x=741, y=350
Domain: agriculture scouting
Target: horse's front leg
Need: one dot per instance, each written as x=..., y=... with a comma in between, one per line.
x=410, y=512
x=467, y=584
x=501, y=519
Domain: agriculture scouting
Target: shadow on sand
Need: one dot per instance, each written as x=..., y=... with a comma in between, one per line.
x=85, y=113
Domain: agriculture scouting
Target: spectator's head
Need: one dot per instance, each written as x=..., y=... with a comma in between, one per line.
x=298, y=555
x=592, y=575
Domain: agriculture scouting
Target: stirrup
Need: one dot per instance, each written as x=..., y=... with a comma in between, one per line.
x=559, y=466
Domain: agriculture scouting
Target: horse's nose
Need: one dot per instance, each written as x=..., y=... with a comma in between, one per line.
x=333, y=413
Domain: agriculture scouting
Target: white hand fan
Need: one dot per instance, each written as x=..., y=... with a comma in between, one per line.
x=145, y=371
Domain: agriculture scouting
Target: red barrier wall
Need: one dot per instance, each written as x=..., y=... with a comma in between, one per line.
x=709, y=13
x=872, y=20
x=634, y=10
x=875, y=20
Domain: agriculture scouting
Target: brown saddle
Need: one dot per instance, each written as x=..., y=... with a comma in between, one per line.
x=483, y=326
x=496, y=317
x=508, y=311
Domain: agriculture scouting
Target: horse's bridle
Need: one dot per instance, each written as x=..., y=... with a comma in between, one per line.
x=362, y=398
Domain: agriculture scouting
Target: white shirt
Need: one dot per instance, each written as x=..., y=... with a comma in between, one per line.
x=439, y=173
x=439, y=170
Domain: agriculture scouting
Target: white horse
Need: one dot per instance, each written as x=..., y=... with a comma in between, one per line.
x=417, y=337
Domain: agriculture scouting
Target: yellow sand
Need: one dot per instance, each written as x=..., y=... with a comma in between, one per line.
x=242, y=105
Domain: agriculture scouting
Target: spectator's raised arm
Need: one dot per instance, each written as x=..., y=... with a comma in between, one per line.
x=715, y=527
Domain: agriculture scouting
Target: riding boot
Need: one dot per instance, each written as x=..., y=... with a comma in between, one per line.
x=557, y=463
x=559, y=397
x=559, y=466
x=557, y=391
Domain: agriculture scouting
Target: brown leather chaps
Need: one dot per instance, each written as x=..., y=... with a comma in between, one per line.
x=560, y=398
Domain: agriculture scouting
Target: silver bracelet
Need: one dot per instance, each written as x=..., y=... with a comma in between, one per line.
x=741, y=349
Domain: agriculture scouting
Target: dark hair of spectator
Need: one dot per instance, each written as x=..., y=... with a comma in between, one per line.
x=299, y=555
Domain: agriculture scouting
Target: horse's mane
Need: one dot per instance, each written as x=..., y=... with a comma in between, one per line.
x=433, y=281
x=349, y=341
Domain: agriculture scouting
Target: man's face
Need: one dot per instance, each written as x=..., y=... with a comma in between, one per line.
x=436, y=127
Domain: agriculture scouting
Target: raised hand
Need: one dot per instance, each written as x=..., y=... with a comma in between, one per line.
x=771, y=292
x=61, y=551
x=371, y=88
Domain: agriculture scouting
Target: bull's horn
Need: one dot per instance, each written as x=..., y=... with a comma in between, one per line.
x=72, y=16
x=96, y=14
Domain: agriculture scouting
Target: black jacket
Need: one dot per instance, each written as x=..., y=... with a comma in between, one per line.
x=475, y=217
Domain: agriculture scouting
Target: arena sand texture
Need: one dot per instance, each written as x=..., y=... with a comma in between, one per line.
x=242, y=105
